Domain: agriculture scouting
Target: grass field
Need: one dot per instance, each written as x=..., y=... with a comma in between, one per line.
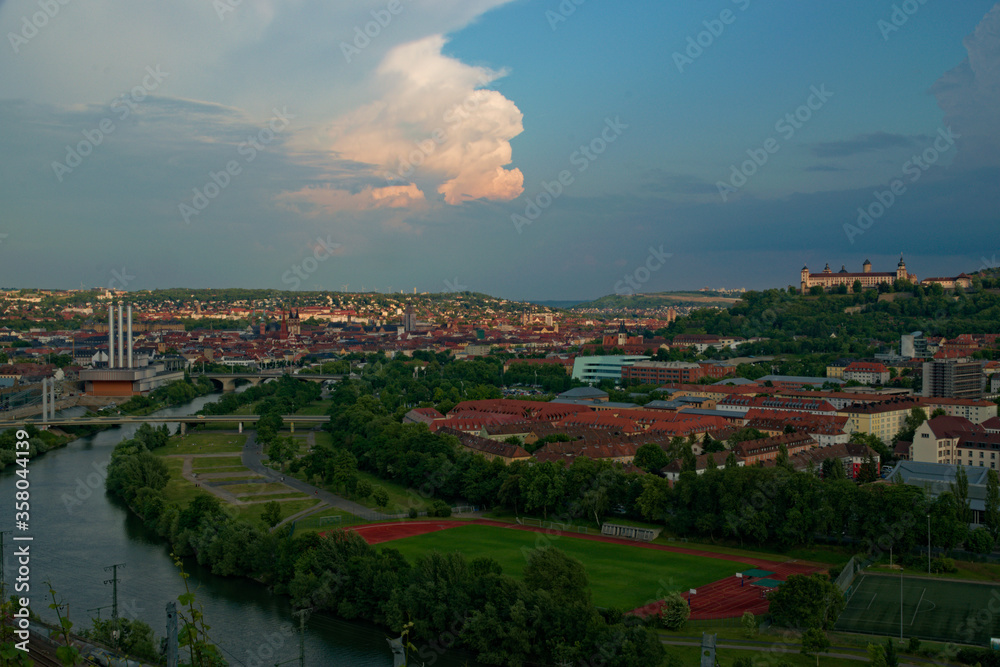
x=217, y=463
x=620, y=575
x=931, y=608
x=203, y=443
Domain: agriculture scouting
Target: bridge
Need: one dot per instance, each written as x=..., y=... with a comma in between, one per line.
x=227, y=381
x=183, y=420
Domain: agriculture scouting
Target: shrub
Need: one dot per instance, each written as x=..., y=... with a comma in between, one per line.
x=939, y=565
x=914, y=645
x=412, y=513
x=675, y=612
x=980, y=541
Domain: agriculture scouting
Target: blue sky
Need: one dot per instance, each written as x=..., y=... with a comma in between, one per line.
x=273, y=144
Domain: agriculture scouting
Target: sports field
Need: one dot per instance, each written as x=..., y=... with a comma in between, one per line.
x=621, y=575
x=931, y=609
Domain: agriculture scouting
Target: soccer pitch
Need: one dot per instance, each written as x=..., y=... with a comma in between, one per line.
x=936, y=609
x=621, y=576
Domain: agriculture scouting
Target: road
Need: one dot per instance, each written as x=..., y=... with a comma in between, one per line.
x=252, y=456
x=779, y=646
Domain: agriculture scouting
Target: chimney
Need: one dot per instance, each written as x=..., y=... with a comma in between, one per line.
x=111, y=335
x=121, y=338
x=130, y=335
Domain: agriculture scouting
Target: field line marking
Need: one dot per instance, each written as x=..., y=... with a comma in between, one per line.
x=918, y=607
x=856, y=587
x=872, y=601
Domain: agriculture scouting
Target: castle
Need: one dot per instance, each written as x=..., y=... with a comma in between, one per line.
x=828, y=279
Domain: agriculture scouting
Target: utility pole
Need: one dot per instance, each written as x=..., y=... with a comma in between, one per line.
x=928, y=543
x=302, y=614
x=171, y=634
x=3, y=566
x=114, y=601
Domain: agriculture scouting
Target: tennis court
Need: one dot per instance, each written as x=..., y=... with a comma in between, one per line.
x=929, y=608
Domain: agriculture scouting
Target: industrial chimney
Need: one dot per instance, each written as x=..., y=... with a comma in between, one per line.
x=121, y=338
x=111, y=335
x=130, y=335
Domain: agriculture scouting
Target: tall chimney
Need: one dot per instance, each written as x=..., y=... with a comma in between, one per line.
x=130, y=335
x=111, y=335
x=45, y=400
x=52, y=403
x=121, y=338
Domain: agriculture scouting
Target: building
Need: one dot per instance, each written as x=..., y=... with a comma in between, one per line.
x=961, y=281
x=743, y=404
x=827, y=279
x=937, y=478
x=606, y=367
x=867, y=372
x=883, y=419
x=409, y=319
x=936, y=440
x=672, y=471
x=913, y=345
x=663, y=372
x=953, y=378
x=976, y=411
x=766, y=449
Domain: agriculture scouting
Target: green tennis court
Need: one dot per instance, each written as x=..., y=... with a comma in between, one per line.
x=931, y=609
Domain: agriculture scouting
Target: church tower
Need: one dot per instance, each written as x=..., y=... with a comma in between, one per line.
x=804, y=274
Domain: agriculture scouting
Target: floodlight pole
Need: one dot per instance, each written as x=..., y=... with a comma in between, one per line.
x=928, y=543
x=900, y=603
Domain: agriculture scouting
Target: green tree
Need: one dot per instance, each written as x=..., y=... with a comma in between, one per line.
x=891, y=659
x=381, y=497
x=980, y=541
x=651, y=458
x=751, y=624
x=811, y=601
x=814, y=640
x=992, y=518
x=876, y=655
x=675, y=612
x=271, y=514
x=960, y=489
x=564, y=577
x=363, y=489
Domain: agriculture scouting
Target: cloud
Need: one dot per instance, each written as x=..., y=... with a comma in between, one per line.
x=969, y=95
x=434, y=124
x=865, y=143
x=315, y=201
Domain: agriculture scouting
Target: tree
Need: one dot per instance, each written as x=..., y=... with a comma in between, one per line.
x=807, y=601
x=751, y=624
x=564, y=577
x=992, y=518
x=651, y=458
x=363, y=489
x=891, y=659
x=271, y=514
x=675, y=612
x=833, y=468
x=381, y=497
x=876, y=655
x=281, y=450
x=815, y=641
x=960, y=489
x=980, y=541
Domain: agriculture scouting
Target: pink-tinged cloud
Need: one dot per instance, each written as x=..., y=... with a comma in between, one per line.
x=324, y=201
x=434, y=123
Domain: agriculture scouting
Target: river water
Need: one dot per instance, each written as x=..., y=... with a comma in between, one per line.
x=79, y=530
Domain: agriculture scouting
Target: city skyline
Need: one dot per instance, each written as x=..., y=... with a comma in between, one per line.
x=529, y=150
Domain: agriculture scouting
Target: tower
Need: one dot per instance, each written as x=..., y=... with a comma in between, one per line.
x=622, y=334
x=866, y=267
x=804, y=275
x=901, y=273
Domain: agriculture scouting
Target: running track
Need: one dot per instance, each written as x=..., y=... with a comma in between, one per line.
x=724, y=598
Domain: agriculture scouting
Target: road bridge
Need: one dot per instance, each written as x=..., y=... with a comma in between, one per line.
x=183, y=420
x=227, y=381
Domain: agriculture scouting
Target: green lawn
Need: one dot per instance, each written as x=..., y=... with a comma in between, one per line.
x=237, y=489
x=203, y=443
x=253, y=512
x=178, y=489
x=726, y=657
x=315, y=408
x=313, y=524
x=216, y=463
x=620, y=575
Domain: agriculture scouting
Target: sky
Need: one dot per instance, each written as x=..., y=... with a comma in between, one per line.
x=529, y=149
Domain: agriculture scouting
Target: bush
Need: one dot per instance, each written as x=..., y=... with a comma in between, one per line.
x=675, y=612
x=743, y=662
x=980, y=541
x=939, y=565
x=913, y=646
x=439, y=508
x=413, y=513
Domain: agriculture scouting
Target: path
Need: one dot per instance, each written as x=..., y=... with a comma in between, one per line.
x=188, y=473
x=251, y=458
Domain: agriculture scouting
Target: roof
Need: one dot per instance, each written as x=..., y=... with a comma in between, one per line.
x=584, y=392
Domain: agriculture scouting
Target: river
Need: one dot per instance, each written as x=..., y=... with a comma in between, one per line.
x=79, y=530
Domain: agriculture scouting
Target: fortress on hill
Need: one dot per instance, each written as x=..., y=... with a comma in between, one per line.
x=828, y=279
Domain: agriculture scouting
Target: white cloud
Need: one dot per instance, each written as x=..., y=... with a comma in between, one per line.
x=434, y=122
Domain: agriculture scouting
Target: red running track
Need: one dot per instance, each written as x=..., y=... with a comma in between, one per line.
x=724, y=598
